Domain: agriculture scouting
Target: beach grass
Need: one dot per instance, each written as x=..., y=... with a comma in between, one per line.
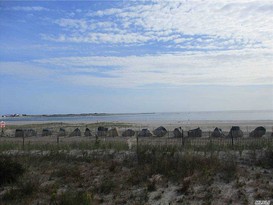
x=85, y=143
x=61, y=178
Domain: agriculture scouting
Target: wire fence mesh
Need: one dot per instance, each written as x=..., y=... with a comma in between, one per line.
x=68, y=133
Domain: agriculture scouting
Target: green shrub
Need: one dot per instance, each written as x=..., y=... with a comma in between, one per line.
x=174, y=166
x=228, y=170
x=10, y=170
x=29, y=186
x=75, y=198
x=67, y=172
x=106, y=186
x=25, y=188
x=11, y=195
x=267, y=160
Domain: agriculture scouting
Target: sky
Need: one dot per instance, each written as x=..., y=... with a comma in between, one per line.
x=135, y=56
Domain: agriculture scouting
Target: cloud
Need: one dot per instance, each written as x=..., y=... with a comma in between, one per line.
x=29, y=8
x=224, y=24
x=88, y=31
x=25, y=70
x=99, y=38
x=177, y=69
x=105, y=12
x=231, y=43
x=76, y=24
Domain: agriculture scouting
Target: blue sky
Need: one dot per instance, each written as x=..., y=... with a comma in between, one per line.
x=135, y=56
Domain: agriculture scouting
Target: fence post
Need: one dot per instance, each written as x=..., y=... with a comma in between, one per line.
x=23, y=141
x=210, y=141
x=247, y=131
x=58, y=139
x=137, y=148
x=2, y=132
x=182, y=140
x=182, y=137
x=232, y=139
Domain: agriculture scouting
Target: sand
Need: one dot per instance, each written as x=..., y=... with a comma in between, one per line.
x=205, y=125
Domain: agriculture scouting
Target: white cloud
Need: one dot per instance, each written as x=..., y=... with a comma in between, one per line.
x=29, y=8
x=25, y=70
x=99, y=38
x=214, y=68
x=76, y=24
x=211, y=18
x=240, y=33
x=223, y=24
x=111, y=11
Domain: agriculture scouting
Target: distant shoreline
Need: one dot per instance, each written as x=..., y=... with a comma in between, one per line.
x=74, y=115
x=120, y=114
x=152, y=119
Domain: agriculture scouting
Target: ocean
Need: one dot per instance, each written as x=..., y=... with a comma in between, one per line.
x=153, y=117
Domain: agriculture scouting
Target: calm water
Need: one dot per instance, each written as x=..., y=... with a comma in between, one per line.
x=156, y=117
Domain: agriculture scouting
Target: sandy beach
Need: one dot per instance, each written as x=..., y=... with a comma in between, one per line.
x=205, y=124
